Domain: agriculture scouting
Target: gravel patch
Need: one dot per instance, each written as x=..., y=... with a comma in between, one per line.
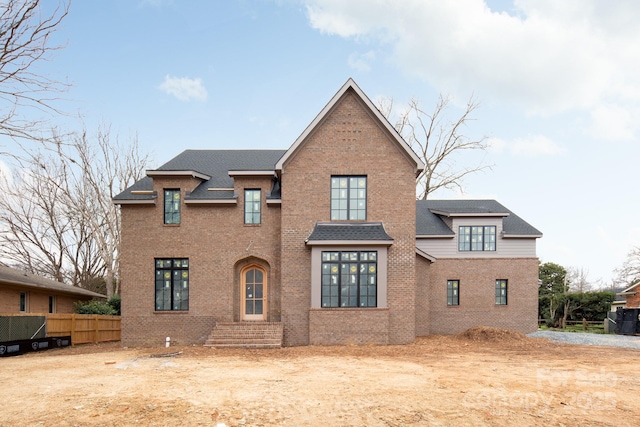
x=613, y=340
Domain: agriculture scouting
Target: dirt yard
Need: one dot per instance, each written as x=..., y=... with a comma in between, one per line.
x=485, y=377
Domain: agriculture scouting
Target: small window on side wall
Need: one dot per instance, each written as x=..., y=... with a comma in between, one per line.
x=501, y=291
x=24, y=302
x=453, y=292
x=172, y=206
x=252, y=205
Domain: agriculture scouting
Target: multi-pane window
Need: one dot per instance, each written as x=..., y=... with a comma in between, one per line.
x=252, y=206
x=477, y=238
x=453, y=292
x=172, y=206
x=501, y=292
x=172, y=284
x=349, y=279
x=348, y=198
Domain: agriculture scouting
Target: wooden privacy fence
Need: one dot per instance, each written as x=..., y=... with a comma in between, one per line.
x=84, y=328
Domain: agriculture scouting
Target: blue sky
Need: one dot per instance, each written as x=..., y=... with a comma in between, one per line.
x=558, y=84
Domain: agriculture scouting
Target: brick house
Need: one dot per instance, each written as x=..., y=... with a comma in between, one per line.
x=27, y=293
x=324, y=240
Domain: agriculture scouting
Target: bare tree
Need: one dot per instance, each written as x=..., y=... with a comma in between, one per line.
x=579, y=279
x=629, y=272
x=59, y=220
x=25, y=33
x=437, y=140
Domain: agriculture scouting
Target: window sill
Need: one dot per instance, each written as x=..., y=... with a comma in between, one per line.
x=172, y=312
x=253, y=225
x=171, y=225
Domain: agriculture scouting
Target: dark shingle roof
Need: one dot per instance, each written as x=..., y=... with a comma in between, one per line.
x=12, y=276
x=213, y=163
x=358, y=231
x=429, y=223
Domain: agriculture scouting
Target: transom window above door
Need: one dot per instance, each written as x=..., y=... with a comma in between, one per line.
x=348, y=198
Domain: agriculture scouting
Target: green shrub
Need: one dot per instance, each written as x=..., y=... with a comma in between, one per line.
x=94, y=307
x=114, y=302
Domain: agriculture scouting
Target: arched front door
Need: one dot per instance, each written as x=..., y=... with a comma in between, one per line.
x=254, y=293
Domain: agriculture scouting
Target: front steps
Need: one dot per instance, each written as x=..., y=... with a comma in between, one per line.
x=246, y=335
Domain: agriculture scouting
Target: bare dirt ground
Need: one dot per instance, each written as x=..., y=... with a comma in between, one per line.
x=485, y=377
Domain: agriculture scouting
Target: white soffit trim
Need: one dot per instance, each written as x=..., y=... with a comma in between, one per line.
x=274, y=201
x=135, y=202
x=351, y=84
x=521, y=236
x=425, y=255
x=470, y=214
x=193, y=174
x=251, y=173
x=220, y=189
x=142, y=192
x=435, y=236
x=349, y=243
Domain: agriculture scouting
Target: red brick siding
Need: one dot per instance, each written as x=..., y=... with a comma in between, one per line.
x=348, y=142
x=477, y=295
x=365, y=326
x=216, y=241
x=633, y=301
x=38, y=302
x=422, y=296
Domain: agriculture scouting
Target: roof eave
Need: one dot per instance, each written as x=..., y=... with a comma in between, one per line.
x=134, y=202
x=252, y=173
x=435, y=236
x=349, y=242
x=425, y=255
x=521, y=236
x=190, y=173
x=469, y=214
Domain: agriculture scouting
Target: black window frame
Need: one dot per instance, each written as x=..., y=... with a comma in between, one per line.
x=453, y=292
x=172, y=211
x=168, y=295
x=344, y=202
x=52, y=304
x=252, y=204
x=502, y=292
x=337, y=267
x=485, y=241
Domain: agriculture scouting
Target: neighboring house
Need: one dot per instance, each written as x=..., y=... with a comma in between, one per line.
x=22, y=292
x=631, y=295
x=325, y=238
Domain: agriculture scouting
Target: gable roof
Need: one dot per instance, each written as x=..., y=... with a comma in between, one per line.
x=351, y=86
x=15, y=277
x=213, y=167
x=430, y=213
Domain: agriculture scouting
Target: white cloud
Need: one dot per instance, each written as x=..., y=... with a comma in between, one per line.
x=360, y=62
x=548, y=57
x=183, y=88
x=613, y=122
x=530, y=146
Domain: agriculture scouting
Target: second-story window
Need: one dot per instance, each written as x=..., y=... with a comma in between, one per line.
x=477, y=238
x=348, y=198
x=252, y=206
x=172, y=206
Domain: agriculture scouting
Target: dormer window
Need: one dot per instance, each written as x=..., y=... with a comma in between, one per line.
x=348, y=198
x=172, y=206
x=477, y=238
